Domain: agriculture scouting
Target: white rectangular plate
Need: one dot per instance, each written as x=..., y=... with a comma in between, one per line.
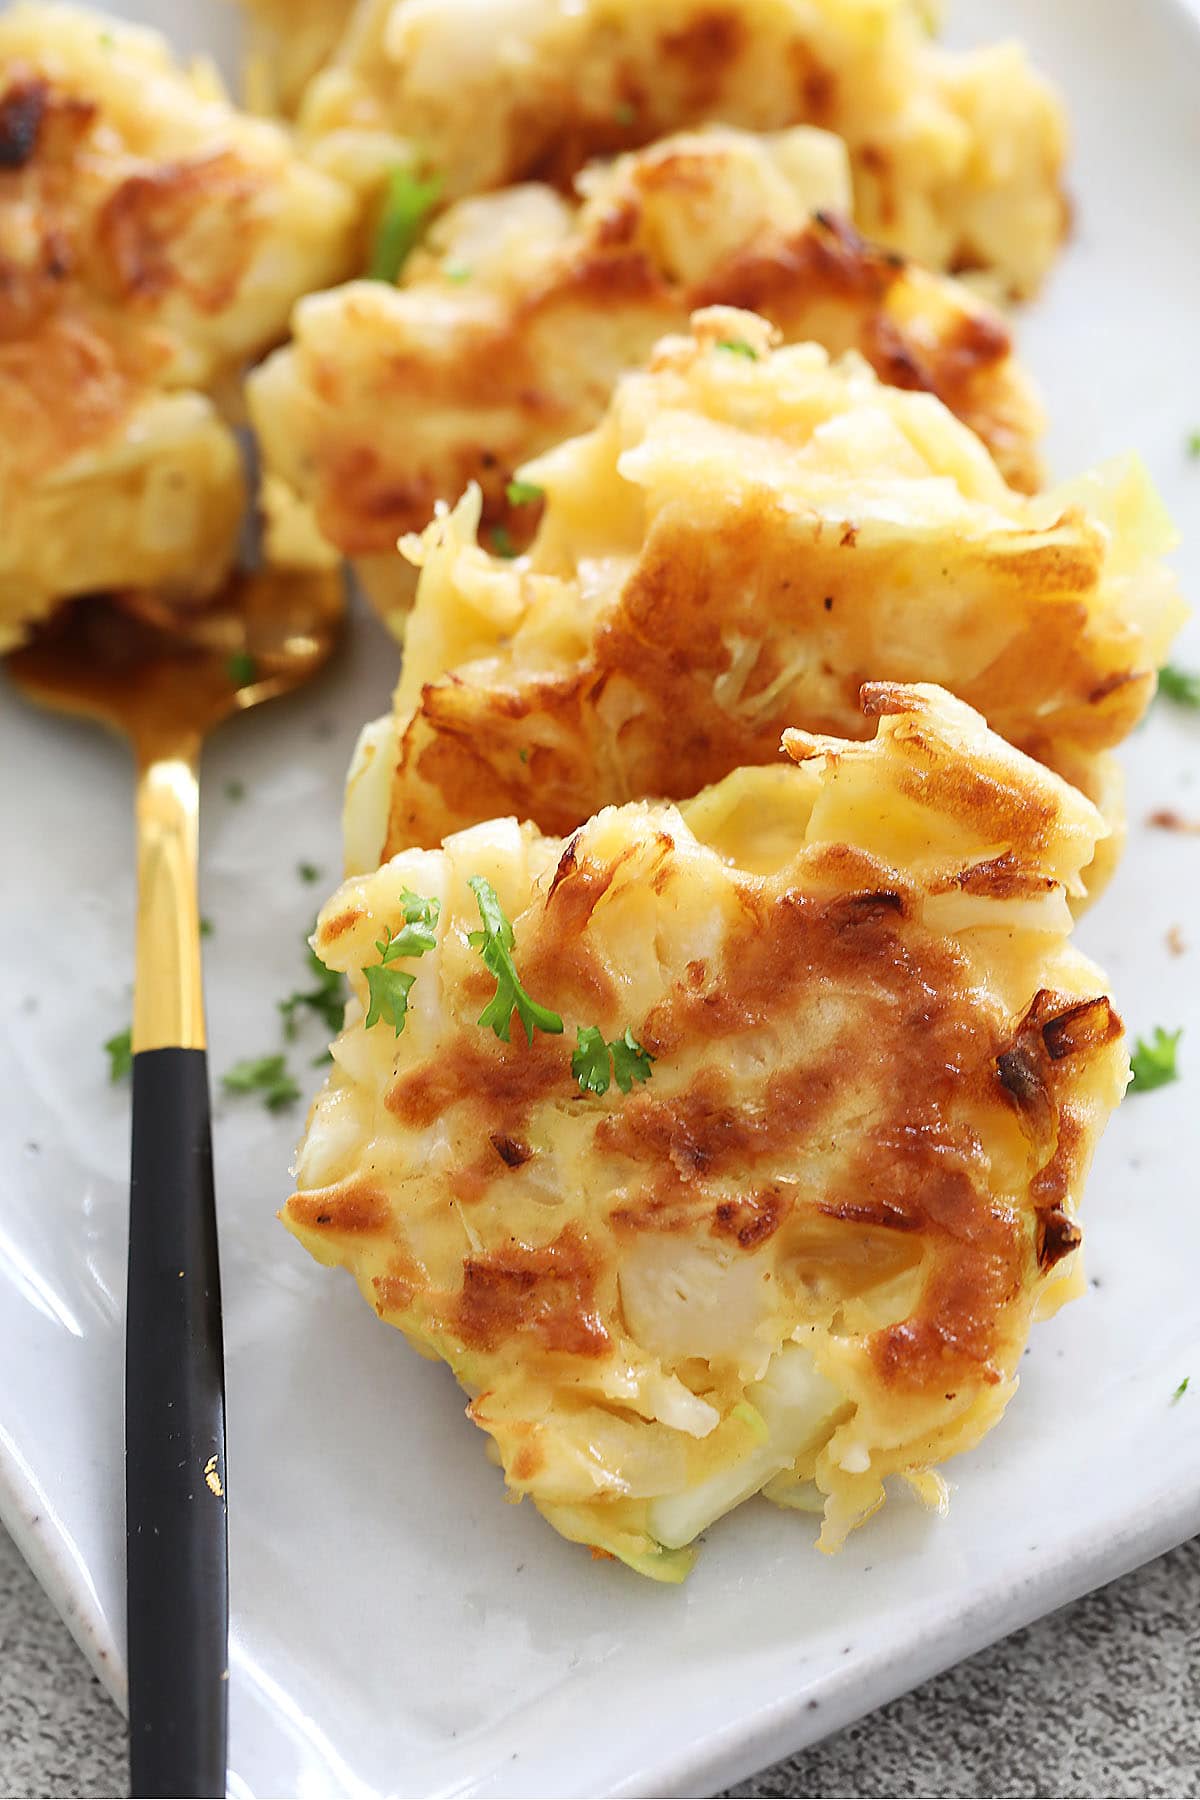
x=397, y=1628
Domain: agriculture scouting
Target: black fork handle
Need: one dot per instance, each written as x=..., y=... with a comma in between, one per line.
x=175, y=1508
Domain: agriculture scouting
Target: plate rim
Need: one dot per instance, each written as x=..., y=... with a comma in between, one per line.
x=949, y=1634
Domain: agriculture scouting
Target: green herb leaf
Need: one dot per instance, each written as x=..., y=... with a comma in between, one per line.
x=206, y=928
x=1193, y=445
x=1181, y=1390
x=235, y=790
x=265, y=1075
x=495, y=944
x=502, y=544
x=625, y=112
x=457, y=275
x=387, y=990
x=308, y=871
x=590, y=1063
x=630, y=1062
x=738, y=347
x=410, y=200
x=119, y=1050
x=1154, y=1063
x=591, y=1060
x=418, y=932
x=242, y=668
x=1180, y=685
x=523, y=493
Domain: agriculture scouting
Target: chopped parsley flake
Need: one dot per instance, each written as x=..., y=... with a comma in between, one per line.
x=495, y=945
x=523, y=493
x=625, y=112
x=265, y=1075
x=630, y=1062
x=242, y=668
x=406, y=208
x=738, y=347
x=457, y=274
x=1181, y=1390
x=502, y=544
x=1193, y=445
x=1180, y=685
x=592, y=1058
x=308, y=871
x=388, y=988
x=1154, y=1063
x=119, y=1050
x=206, y=928
x=235, y=790
x=590, y=1065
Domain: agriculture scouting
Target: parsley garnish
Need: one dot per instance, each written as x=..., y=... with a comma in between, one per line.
x=523, y=493
x=625, y=112
x=106, y=40
x=206, y=928
x=502, y=544
x=119, y=1050
x=630, y=1062
x=242, y=668
x=308, y=871
x=406, y=209
x=495, y=943
x=738, y=347
x=327, y=999
x=1180, y=685
x=235, y=790
x=457, y=274
x=1154, y=1063
x=592, y=1057
x=387, y=988
x=265, y=1075
x=1181, y=1390
x=590, y=1063
x=1193, y=445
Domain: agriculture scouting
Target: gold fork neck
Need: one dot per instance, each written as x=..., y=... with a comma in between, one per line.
x=168, y=997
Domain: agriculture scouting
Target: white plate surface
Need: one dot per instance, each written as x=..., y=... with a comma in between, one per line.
x=397, y=1628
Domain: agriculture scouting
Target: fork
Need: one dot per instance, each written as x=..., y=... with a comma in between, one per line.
x=164, y=677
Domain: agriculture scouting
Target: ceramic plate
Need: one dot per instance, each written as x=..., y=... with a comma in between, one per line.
x=397, y=1629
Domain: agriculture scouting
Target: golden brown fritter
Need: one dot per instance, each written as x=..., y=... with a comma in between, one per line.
x=289, y=42
x=512, y=325
x=956, y=157
x=804, y=1252
x=151, y=241
x=747, y=537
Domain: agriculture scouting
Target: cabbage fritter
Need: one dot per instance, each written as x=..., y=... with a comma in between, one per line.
x=957, y=158
x=746, y=538
x=803, y=1251
x=289, y=41
x=514, y=321
x=151, y=241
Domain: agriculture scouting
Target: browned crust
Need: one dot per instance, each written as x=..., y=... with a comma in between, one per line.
x=546, y=1293
x=824, y=282
x=944, y=1077
x=537, y=746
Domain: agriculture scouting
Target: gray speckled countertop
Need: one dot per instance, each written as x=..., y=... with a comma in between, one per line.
x=1102, y=1698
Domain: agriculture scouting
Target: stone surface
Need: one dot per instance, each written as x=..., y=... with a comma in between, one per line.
x=1101, y=1698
